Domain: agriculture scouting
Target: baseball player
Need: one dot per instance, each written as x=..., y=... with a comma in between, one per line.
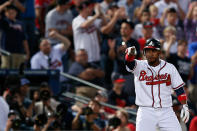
x=154, y=81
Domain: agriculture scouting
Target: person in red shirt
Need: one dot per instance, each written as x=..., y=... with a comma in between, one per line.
x=153, y=15
x=147, y=32
x=41, y=10
x=124, y=118
x=117, y=95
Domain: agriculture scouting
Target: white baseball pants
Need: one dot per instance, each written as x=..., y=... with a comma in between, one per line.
x=148, y=119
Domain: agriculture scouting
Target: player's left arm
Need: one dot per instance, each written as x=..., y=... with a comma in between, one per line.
x=178, y=87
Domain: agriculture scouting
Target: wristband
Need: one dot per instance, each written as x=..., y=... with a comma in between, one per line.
x=182, y=97
x=129, y=58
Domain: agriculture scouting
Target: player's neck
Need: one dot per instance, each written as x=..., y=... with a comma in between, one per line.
x=154, y=64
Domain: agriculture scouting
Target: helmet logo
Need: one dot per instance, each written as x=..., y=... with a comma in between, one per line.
x=151, y=44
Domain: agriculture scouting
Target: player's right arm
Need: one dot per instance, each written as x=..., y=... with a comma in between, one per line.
x=178, y=87
x=129, y=58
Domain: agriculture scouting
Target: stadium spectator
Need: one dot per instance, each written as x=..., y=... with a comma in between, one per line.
x=110, y=31
x=184, y=6
x=147, y=31
x=60, y=120
x=47, y=104
x=28, y=19
x=105, y=5
x=19, y=5
x=129, y=6
x=117, y=51
x=74, y=7
x=85, y=124
x=24, y=102
x=170, y=39
x=10, y=122
x=116, y=96
x=143, y=7
x=144, y=16
x=60, y=20
x=113, y=124
x=192, y=87
x=180, y=60
x=96, y=107
x=85, y=31
x=164, y=4
x=113, y=14
x=86, y=71
x=190, y=23
x=125, y=125
x=50, y=57
x=170, y=18
x=13, y=39
x=16, y=90
x=170, y=14
x=41, y=7
x=101, y=96
x=138, y=31
x=153, y=15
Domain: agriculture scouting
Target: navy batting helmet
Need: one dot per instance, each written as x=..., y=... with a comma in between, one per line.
x=153, y=44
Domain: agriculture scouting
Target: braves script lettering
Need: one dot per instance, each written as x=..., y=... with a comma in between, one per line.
x=158, y=79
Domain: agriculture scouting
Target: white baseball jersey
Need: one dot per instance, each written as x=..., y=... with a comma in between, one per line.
x=87, y=38
x=153, y=85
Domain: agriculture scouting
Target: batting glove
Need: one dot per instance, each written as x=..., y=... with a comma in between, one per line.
x=185, y=113
x=131, y=51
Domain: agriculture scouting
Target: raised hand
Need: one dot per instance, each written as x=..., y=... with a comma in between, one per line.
x=131, y=51
x=98, y=10
x=172, y=39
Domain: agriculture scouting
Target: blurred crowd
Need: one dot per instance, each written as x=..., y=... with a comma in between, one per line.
x=87, y=39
